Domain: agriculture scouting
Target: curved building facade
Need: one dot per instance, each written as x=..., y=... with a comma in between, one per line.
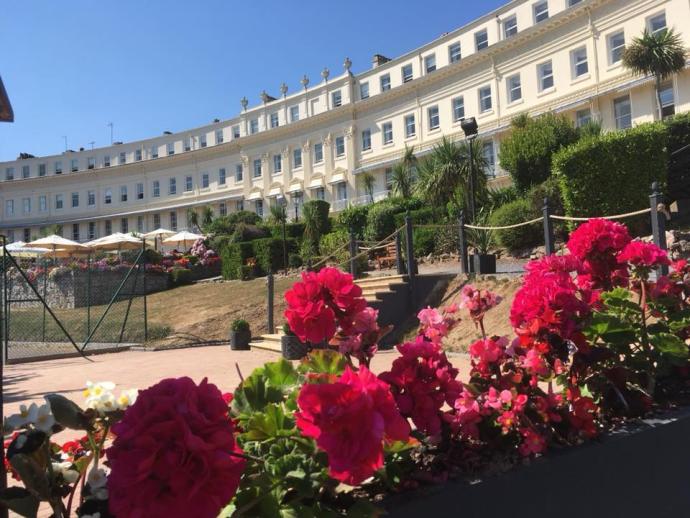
x=529, y=56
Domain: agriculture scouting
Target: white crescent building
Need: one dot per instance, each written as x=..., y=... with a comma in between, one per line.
x=529, y=56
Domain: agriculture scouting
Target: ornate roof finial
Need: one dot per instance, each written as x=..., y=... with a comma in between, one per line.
x=284, y=89
x=347, y=64
x=264, y=96
x=305, y=81
x=244, y=102
x=325, y=73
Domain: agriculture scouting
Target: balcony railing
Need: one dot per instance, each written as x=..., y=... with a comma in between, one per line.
x=368, y=199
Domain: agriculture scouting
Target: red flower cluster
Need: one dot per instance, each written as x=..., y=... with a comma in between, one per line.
x=596, y=243
x=643, y=256
x=174, y=454
x=350, y=418
x=321, y=302
x=422, y=381
x=477, y=302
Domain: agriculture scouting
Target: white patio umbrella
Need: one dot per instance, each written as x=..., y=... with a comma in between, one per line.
x=19, y=249
x=183, y=237
x=117, y=241
x=157, y=235
x=58, y=246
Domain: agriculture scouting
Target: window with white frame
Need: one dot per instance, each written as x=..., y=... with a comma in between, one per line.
x=75, y=199
x=294, y=114
x=385, y=81
x=277, y=164
x=622, y=111
x=108, y=227
x=26, y=171
x=430, y=63
x=75, y=232
x=26, y=202
x=92, y=230
x=170, y=146
x=9, y=173
x=489, y=157
x=186, y=143
x=91, y=198
x=140, y=224
x=188, y=183
x=458, y=108
x=275, y=121
x=59, y=202
x=667, y=99
x=91, y=162
x=514, y=87
x=42, y=203
x=318, y=153
x=366, y=140
x=75, y=165
x=657, y=23
x=137, y=156
x=541, y=11
x=41, y=169
x=58, y=167
x=205, y=181
x=253, y=126
x=122, y=160
x=434, y=120
x=236, y=130
x=156, y=221
x=124, y=225
x=407, y=74
x=202, y=140
x=336, y=99
x=140, y=191
x=156, y=189
x=341, y=191
x=616, y=45
x=339, y=146
x=172, y=186
x=454, y=52
x=297, y=158
x=510, y=27
x=239, y=173
x=222, y=209
x=481, y=39
x=108, y=196
x=221, y=176
x=388, y=178
x=123, y=193
x=239, y=205
x=219, y=136
x=578, y=60
x=320, y=193
x=259, y=208
x=364, y=90
x=410, y=126
x=387, y=132
x=9, y=207
x=583, y=117
x=485, y=101
x=257, y=168
x=173, y=221
x=545, y=76
x=154, y=151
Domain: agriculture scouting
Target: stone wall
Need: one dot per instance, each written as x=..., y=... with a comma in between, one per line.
x=74, y=289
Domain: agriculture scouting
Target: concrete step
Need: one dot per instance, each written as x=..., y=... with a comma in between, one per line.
x=268, y=342
x=369, y=282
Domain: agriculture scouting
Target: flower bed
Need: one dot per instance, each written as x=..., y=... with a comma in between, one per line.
x=598, y=344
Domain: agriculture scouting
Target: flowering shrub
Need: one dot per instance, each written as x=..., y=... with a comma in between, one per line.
x=596, y=339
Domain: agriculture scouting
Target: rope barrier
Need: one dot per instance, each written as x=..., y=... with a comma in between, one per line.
x=331, y=255
x=616, y=216
x=366, y=252
x=530, y=222
x=449, y=225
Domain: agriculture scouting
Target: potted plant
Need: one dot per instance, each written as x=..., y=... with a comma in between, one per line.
x=240, y=335
x=291, y=346
x=482, y=260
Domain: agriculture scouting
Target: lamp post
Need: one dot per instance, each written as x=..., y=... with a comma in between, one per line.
x=471, y=129
x=282, y=203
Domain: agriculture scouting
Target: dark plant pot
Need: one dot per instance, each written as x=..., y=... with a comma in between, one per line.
x=292, y=348
x=239, y=340
x=638, y=471
x=483, y=263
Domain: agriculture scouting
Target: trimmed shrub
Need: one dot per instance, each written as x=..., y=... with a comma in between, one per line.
x=527, y=152
x=246, y=232
x=380, y=221
x=423, y=216
x=549, y=189
x=334, y=240
x=269, y=253
x=233, y=256
x=354, y=218
x=181, y=276
x=404, y=204
x=293, y=230
x=612, y=174
x=294, y=260
x=245, y=273
x=319, y=210
x=678, y=128
x=424, y=241
x=517, y=211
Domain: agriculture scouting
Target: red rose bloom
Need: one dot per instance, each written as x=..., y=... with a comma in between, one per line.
x=350, y=418
x=173, y=454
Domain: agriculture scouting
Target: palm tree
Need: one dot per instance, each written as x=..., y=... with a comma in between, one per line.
x=444, y=174
x=403, y=174
x=192, y=219
x=278, y=214
x=206, y=217
x=368, y=182
x=660, y=54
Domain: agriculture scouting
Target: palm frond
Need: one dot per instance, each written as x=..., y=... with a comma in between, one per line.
x=660, y=54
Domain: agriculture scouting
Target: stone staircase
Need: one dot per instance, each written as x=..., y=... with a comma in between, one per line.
x=268, y=342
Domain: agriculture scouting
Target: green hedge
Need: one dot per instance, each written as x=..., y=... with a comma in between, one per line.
x=233, y=256
x=424, y=241
x=517, y=211
x=320, y=210
x=380, y=221
x=354, y=218
x=269, y=253
x=181, y=276
x=293, y=230
x=678, y=128
x=424, y=216
x=612, y=174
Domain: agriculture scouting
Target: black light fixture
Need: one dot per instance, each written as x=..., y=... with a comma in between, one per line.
x=282, y=203
x=471, y=129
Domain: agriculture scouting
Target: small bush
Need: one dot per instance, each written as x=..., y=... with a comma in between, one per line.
x=295, y=260
x=245, y=232
x=293, y=230
x=269, y=253
x=423, y=216
x=338, y=239
x=678, y=129
x=353, y=218
x=233, y=256
x=244, y=272
x=380, y=221
x=318, y=209
x=181, y=276
x=512, y=213
x=239, y=325
x=424, y=241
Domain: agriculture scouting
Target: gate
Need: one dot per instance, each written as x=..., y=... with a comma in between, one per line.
x=52, y=309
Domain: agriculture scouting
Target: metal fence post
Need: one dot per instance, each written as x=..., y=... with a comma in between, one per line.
x=549, y=240
x=399, y=265
x=656, y=202
x=353, y=253
x=269, y=308
x=462, y=244
x=146, y=315
x=409, y=246
x=3, y=339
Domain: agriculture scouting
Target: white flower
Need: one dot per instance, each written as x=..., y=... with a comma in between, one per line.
x=69, y=475
x=22, y=418
x=97, y=478
x=100, y=397
x=43, y=418
x=127, y=398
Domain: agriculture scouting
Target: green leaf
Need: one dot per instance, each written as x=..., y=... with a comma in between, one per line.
x=32, y=474
x=669, y=344
x=272, y=422
x=67, y=412
x=324, y=361
x=254, y=394
x=605, y=324
x=281, y=374
x=20, y=500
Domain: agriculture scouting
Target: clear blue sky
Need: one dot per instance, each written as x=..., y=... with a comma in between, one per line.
x=72, y=66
